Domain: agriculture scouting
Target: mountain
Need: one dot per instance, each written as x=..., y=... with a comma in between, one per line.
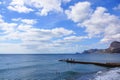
x=113, y=48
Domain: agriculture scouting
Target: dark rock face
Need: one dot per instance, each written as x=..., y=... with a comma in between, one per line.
x=113, y=48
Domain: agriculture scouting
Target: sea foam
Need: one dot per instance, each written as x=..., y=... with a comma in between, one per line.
x=112, y=74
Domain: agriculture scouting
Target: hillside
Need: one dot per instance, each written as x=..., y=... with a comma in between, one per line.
x=113, y=48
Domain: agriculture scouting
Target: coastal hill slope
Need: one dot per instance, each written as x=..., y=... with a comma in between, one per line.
x=113, y=48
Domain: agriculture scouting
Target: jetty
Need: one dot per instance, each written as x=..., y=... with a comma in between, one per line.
x=94, y=63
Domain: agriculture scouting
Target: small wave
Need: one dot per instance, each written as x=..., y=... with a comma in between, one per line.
x=19, y=67
x=67, y=75
x=112, y=74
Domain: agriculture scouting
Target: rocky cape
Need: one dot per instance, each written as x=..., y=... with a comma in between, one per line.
x=113, y=48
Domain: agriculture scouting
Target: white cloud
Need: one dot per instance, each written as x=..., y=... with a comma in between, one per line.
x=99, y=23
x=46, y=6
x=19, y=6
x=16, y=19
x=117, y=7
x=30, y=38
x=61, y=31
x=6, y=27
x=25, y=21
x=79, y=12
x=42, y=7
x=43, y=35
x=103, y=24
x=71, y=39
x=75, y=38
x=29, y=21
x=28, y=32
x=24, y=27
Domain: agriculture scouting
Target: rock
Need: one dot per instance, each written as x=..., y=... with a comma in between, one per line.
x=114, y=47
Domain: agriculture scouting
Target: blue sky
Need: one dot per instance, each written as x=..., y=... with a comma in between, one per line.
x=58, y=26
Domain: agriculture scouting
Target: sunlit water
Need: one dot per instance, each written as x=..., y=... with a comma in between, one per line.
x=47, y=67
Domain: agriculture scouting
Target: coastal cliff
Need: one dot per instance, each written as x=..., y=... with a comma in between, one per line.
x=113, y=48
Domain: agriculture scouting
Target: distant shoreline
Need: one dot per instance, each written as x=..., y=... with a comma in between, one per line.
x=112, y=49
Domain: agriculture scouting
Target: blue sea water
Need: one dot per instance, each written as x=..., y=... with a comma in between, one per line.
x=47, y=67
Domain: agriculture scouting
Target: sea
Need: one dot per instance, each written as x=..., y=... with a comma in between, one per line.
x=48, y=67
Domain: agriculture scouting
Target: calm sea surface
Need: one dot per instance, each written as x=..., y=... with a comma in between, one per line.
x=47, y=67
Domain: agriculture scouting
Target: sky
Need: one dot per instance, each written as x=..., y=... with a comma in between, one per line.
x=57, y=26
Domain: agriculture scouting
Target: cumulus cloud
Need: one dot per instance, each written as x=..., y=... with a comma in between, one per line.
x=79, y=12
x=103, y=24
x=25, y=30
x=19, y=6
x=25, y=21
x=97, y=23
x=46, y=38
x=41, y=7
x=46, y=6
x=6, y=27
x=44, y=35
x=31, y=38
